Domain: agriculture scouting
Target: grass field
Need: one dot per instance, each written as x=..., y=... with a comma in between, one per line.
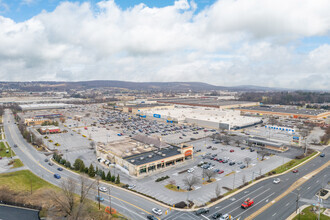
x=22, y=180
x=17, y=163
x=174, y=188
x=308, y=214
x=3, y=149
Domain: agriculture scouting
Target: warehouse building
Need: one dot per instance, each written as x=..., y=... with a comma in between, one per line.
x=208, y=102
x=35, y=121
x=205, y=117
x=144, y=155
x=135, y=109
x=290, y=112
x=44, y=106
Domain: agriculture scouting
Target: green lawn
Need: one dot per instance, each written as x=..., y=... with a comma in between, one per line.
x=308, y=214
x=292, y=163
x=3, y=149
x=17, y=163
x=22, y=180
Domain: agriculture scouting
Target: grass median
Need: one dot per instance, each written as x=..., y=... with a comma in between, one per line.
x=291, y=164
x=3, y=150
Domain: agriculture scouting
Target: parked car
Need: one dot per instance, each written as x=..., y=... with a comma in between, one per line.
x=57, y=176
x=225, y=161
x=216, y=170
x=225, y=217
x=295, y=171
x=46, y=160
x=322, y=155
x=242, y=166
x=220, y=171
x=202, y=211
x=216, y=215
x=251, y=150
x=247, y=203
x=157, y=211
x=50, y=164
x=191, y=170
x=60, y=169
x=231, y=151
x=242, y=148
x=277, y=180
x=231, y=163
x=209, y=147
x=15, y=145
x=103, y=189
x=131, y=187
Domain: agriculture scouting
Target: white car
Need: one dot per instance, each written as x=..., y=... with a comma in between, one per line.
x=157, y=211
x=130, y=186
x=191, y=170
x=211, y=168
x=277, y=180
x=103, y=189
x=224, y=217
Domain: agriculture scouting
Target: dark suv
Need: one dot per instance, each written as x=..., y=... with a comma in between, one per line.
x=202, y=211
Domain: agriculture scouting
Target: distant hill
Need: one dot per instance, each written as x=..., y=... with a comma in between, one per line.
x=147, y=86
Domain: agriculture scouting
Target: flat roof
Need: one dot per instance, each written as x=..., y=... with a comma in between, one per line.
x=265, y=141
x=286, y=110
x=203, y=101
x=155, y=155
x=145, y=105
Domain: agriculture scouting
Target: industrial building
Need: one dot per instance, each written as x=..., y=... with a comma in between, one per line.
x=143, y=155
x=205, y=117
x=44, y=106
x=208, y=102
x=290, y=111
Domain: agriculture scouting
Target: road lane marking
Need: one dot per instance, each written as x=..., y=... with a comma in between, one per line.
x=205, y=217
x=287, y=204
x=309, y=187
x=274, y=214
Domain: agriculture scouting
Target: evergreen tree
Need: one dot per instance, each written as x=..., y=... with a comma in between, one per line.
x=113, y=178
x=91, y=171
x=118, y=179
x=86, y=170
x=79, y=165
x=103, y=175
x=68, y=164
x=108, y=178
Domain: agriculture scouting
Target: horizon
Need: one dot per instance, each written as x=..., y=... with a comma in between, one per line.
x=223, y=43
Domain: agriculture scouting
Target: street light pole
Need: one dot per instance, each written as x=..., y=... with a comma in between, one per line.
x=109, y=190
x=234, y=180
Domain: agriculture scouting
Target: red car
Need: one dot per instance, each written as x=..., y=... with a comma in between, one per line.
x=295, y=171
x=247, y=203
x=231, y=151
x=220, y=161
x=221, y=171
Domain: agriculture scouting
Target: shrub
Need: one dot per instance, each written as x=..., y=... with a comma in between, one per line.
x=162, y=178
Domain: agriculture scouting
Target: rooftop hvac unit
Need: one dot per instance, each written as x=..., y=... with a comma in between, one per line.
x=159, y=153
x=141, y=158
x=171, y=147
x=132, y=161
x=179, y=150
x=127, y=151
x=146, y=146
x=150, y=155
x=163, y=155
x=134, y=149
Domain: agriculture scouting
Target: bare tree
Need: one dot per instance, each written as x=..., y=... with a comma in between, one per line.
x=39, y=142
x=272, y=120
x=315, y=140
x=209, y=174
x=217, y=190
x=243, y=179
x=226, y=139
x=92, y=144
x=237, y=142
x=172, y=182
x=65, y=198
x=86, y=184
x=247, y=160
x=263, y=153
x=190, y=181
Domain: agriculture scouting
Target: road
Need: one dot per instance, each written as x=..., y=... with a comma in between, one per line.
x=265, y=191
x=130, y=205
x=136, y=207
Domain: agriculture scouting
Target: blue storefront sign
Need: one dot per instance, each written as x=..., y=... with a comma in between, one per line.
x=156, y=116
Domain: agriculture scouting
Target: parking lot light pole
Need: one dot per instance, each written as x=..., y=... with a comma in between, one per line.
x=234, y=180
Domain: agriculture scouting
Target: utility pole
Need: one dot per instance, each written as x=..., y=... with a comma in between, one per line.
x=98, y=192
x=234, y=180
x=109, y=190
x=319, y=198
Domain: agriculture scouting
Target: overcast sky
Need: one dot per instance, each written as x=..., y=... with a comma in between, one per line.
x=277, y=43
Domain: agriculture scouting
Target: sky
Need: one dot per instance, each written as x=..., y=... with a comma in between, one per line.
x=282, y=43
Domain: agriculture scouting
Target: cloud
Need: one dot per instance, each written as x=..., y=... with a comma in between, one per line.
x=231, y=42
